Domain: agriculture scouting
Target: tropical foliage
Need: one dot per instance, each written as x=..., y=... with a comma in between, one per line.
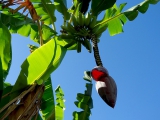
x=32, y=96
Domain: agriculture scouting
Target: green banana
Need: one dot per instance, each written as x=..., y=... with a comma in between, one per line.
x=87, y=19
x=74, y=20
x=83, y=31
x=78, y=47
x=71, y=28
x=65, y=28
x=80, y=19
x=67, y=36
x=83, y=18
x=79, y=34
x=87, y=44
x=71, y=45
x=93, y=22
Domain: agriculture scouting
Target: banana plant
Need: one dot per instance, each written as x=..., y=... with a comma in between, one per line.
x=32, y=95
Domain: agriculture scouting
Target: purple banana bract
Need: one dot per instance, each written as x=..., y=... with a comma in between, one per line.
x=105, y=85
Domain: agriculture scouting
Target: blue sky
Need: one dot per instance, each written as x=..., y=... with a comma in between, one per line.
x=132, y=59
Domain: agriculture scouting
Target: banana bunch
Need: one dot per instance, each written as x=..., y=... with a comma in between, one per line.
x=84, y=25
x=81, y=24
x=81, y=28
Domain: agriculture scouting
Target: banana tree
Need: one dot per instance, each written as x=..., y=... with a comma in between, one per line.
x=31, y=97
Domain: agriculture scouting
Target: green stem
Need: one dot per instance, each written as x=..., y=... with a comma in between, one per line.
x=40, y=33
x=110, y=19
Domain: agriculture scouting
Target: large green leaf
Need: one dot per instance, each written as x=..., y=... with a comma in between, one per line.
x=60, y=106
x=58, y=57
x=40, y=64
x=36, y=65
x=34, y=32
x=97, y=6
x=114, y=19
x=48, y=105
x=24, y=26
x=47, y=33
x=132, y=13
x=16, y=19
x=24, y=30
x=46, y=11
x=61, y=6
x=17, y=23
x=44, y=8
x=1, y=79
x=5, y=49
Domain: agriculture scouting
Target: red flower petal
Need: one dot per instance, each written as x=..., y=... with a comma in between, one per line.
x=98, y=75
